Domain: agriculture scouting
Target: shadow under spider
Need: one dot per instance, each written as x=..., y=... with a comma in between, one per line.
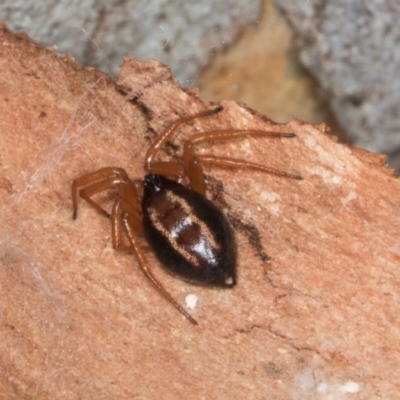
x=216, y=188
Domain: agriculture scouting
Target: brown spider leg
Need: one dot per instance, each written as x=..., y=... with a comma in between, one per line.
x=103, y=179
x=168, y=132
x=235, y=163
x=95, y=188
x=169, y=168
x=193, y=162
x=124, y=214
x=146, y=269
x=121, y=207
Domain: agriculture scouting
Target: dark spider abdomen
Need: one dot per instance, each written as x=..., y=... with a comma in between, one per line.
x=189, y=235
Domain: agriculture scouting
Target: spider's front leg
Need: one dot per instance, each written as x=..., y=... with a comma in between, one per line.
x=171, y=168
x=193, y=162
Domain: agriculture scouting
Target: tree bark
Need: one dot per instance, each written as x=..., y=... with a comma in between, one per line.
x=316, y=308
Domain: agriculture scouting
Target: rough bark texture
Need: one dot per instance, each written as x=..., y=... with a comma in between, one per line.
x=79, y=320
x=351, y=47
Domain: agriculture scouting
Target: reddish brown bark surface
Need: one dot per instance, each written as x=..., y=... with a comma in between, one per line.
x=80, y=320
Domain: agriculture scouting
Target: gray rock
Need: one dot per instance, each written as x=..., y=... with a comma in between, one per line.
x=181, y=33
x=352, y=48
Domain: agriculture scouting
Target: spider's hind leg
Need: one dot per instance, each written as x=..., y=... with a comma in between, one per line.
x=144, y=265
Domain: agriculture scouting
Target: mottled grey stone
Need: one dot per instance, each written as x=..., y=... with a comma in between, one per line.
x=181, y=33
x=352, y=48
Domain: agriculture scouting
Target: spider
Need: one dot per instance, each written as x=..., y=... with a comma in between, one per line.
x=189, y=235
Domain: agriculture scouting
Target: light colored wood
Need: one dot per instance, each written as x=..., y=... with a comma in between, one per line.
x=80, y=320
